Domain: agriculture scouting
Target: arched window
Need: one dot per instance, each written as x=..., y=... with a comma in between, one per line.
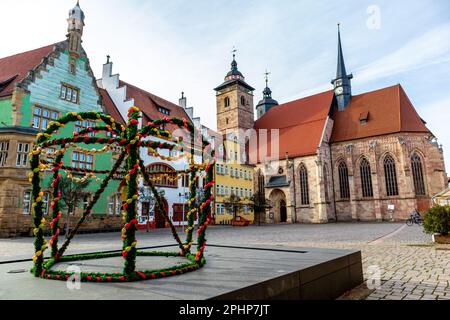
x=227, y=102
x=390, y=176
x=417, y=172
x=343, y=180
x=242, y=101
x=304, y=188
x=163, y=175
x=366, y=178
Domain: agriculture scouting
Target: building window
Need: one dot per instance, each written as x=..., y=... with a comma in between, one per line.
x=164, y=111
x=390, y=176
x=45, y=202
x=226, y=190
x=343, y=181
x=22, y=154
x=366, y=178
x=417, y=172
x=227, y=104
x=73, y=67
x=240, y=173
x=82, y=160
x=69, y=93
x=185, y=181
x=226, y=170
x=26, y=204
x=164, y=175
x=4, y=148
x=81, y=125
x=42, y=117
x=236, y=172
x=115, y=204
x=220, y=208
x=232, y=190
x=242, y=101
x=304, y=188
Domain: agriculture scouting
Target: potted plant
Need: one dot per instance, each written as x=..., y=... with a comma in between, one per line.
x=437, y=222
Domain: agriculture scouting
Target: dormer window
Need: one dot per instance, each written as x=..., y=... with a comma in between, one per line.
x=164, y=110
x=364, y=117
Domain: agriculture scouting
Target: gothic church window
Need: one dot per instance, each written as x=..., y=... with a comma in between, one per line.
x=304, y=188
x=390, y=176
x=417, y=172
x=343, y=181
x=366, y=178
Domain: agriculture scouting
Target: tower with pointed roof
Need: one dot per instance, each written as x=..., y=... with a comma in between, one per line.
x=234, y=101
x=267, y=102
x=342, y=82
x=75, y=30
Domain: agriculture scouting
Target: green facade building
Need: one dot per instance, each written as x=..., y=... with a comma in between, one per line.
x=37, y=87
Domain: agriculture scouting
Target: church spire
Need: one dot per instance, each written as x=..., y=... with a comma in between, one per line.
x=342, y=83
x=267, y=102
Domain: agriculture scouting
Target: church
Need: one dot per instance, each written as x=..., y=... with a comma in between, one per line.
x=335, y=156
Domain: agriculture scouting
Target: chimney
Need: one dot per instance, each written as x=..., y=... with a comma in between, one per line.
x=183, y=101
x=107, y=68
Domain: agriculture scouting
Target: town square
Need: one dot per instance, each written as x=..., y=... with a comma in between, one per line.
x=161, y=151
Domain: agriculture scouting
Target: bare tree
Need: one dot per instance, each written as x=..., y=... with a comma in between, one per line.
x=146, y=195
x=233, y=204
x=72, y=193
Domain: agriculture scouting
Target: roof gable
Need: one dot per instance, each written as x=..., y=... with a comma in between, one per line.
x=389, y=111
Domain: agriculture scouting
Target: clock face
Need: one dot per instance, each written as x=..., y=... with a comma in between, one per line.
x=339, y=90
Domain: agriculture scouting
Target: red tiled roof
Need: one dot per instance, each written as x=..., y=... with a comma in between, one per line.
x=389, y=111
x=14, y=69
x=110, y=107
x=149, y=104
x=300, y=123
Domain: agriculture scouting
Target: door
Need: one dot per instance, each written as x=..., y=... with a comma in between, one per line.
x=160, y=221
x=283, y=212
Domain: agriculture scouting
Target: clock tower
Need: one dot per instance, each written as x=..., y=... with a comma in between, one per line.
x=342, y=83
x=234, y=101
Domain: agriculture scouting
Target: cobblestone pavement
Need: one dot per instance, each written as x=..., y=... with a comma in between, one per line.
x=409, y=265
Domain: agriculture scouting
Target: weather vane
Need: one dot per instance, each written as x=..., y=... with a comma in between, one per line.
x=234, y=52
x=267, y=76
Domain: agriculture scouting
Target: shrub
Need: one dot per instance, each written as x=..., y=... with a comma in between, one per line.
x=437, y=220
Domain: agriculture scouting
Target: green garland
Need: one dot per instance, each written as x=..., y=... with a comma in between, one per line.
x=131, y=139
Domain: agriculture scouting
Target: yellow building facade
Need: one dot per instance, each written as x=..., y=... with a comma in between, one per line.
x=233, y=178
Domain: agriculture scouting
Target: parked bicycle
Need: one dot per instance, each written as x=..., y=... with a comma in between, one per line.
x=414, y=218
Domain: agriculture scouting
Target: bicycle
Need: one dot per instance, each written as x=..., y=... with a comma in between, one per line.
x=413, y=220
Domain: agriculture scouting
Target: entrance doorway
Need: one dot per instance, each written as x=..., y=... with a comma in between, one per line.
x=160, y=221
x=283, y=212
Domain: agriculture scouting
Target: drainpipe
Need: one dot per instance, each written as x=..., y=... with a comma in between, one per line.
x=332, y=181
x=293, y=180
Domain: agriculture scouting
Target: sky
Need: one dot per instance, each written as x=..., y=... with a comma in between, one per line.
x=170, y=46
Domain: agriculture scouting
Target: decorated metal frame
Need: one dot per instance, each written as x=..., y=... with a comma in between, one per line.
x=129, y=140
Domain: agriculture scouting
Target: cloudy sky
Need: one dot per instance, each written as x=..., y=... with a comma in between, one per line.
x=169, y=46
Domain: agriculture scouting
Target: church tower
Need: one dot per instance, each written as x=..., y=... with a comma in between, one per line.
x=267, y=102
x=234, y=101
x=342, y=83
x=75, y=30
